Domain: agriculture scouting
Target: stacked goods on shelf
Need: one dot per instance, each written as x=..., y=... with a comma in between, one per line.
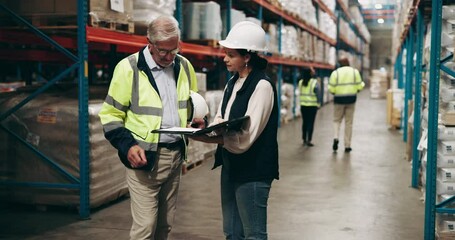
x=378, y=83
x=401, y=21
x=112, y=14
x=348, y=35
x=52, y=13
x=297, y=112
x=213, y=99
x=236, y=16
x=300, y=45
x=289, y=41
x=344, y=2
x=306, y=50
x=328, y=26
x=330, y=4
x=327, y=96
x=272, y=38
x=366, y=56
x=395, y=106
x=200, y=151
x=50, y=124
x=202, y=21
x=287, y=102
x=301, y=8
x=201, y=83
x=357, y=19
x=144, y=11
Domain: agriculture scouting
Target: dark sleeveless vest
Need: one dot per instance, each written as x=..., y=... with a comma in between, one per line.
x=260, y=162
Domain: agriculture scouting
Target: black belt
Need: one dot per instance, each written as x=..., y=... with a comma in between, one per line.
x=172, y=145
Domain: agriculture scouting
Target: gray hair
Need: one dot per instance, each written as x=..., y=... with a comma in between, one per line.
x=163, y=28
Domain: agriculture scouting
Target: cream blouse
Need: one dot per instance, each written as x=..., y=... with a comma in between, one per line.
x=259, y=109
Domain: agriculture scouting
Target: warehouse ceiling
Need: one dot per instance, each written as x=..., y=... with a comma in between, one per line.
x=377, y=14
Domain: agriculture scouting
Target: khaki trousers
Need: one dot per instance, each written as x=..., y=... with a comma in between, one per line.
x=154, y=196
x=346, y=112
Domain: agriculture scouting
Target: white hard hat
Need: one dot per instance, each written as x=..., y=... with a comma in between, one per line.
x=245, y=35
x=198, y=107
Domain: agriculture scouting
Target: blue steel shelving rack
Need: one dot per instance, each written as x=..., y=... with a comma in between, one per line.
x=437, y=64
x=81, y=66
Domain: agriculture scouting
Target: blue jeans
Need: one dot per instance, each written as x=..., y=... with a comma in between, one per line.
x=244, y=207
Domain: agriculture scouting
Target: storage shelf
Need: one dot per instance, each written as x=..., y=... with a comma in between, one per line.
x=349, y=18
x=295, y=21
x=411, y=16
x=99, y=39
x=326, y=9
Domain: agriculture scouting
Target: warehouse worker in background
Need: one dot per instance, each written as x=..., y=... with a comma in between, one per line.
x=249, y=157
x=150, y=90
x=345, y=82
x=310, y=99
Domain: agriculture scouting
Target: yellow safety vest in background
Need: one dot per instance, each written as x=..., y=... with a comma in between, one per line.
x=307, y=95
x=345, y=81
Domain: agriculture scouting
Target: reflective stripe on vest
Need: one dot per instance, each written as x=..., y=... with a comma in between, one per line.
x=135, y=108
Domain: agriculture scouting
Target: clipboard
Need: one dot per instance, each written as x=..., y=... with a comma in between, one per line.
x=233, y=124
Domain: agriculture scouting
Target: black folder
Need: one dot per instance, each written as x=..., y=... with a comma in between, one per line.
x=231, y=125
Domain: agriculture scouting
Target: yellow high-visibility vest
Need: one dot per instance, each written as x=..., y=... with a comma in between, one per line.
x=133, y=103
x=307, y=95
x=345, y=81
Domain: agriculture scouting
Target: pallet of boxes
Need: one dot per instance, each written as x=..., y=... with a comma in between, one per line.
x=58, y=14
x=395, y=106
x=378, y=84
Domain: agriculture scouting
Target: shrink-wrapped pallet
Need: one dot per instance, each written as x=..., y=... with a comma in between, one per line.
x=144, y=11
x=50, y=124
x=202, y=21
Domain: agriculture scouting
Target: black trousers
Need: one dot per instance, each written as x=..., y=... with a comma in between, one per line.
x=308, y=117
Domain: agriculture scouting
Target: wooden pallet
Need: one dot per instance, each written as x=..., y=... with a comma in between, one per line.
x=205, y=42
x=127, y=27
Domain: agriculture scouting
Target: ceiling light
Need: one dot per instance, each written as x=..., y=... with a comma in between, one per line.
x=378, y=6
x=380, y=20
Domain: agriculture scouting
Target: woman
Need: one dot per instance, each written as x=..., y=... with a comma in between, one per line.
x=309, y=104
x=249, y=157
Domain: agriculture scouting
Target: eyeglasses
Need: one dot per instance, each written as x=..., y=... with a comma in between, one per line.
x=163, y=52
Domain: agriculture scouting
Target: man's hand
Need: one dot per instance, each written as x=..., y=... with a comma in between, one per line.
x=136, y=156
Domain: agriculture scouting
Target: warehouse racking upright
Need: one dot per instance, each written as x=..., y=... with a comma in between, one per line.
x=91, y=38
x=81, y=66
x=413, y=33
